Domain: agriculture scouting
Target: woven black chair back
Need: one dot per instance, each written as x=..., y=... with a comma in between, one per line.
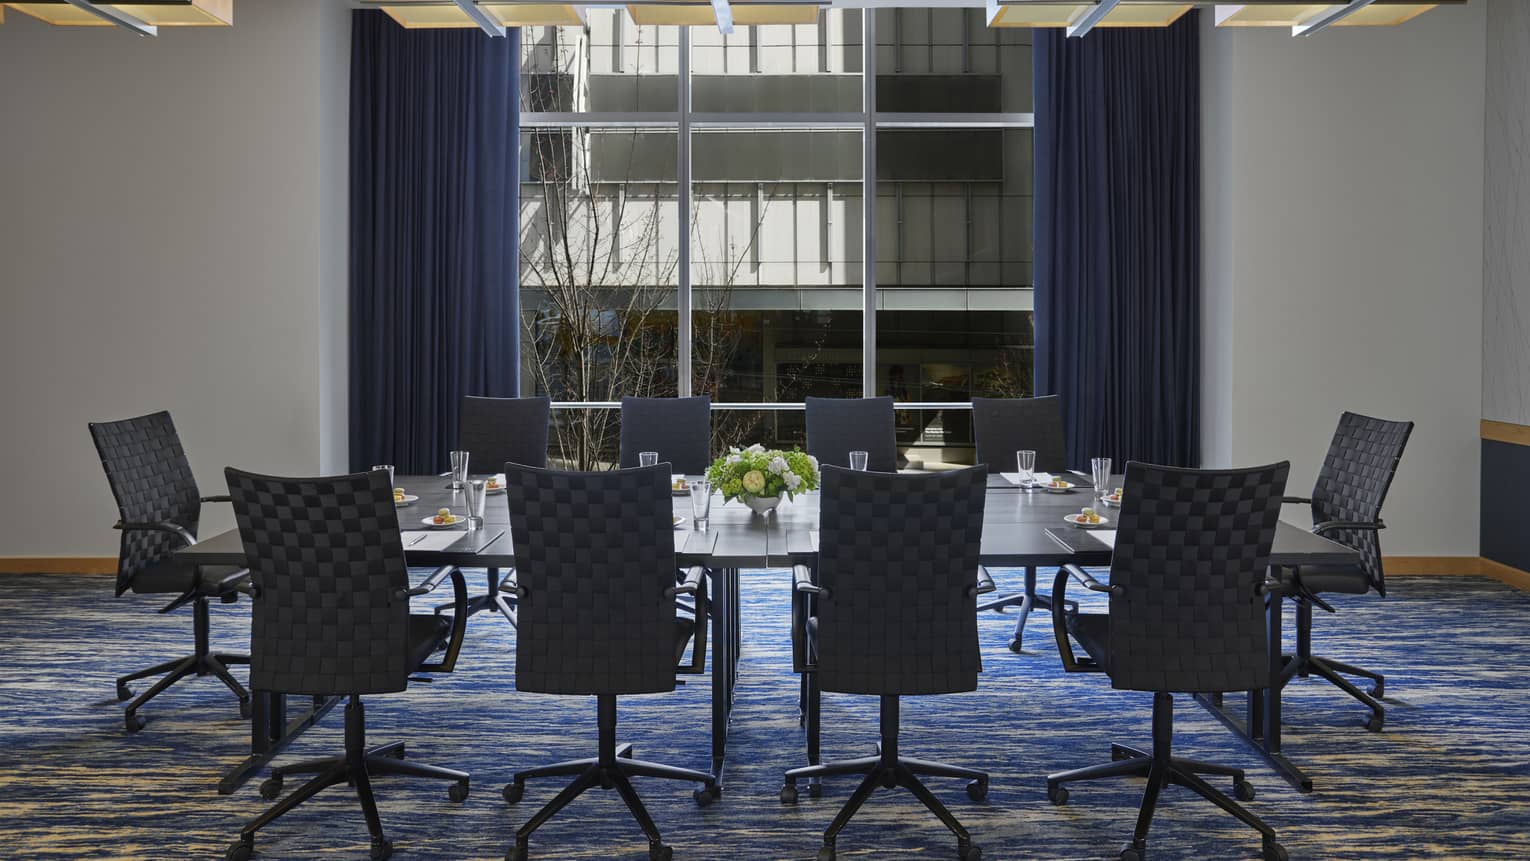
x=1004, y=426
x=899, y=556
x=330, y=614
x=594, y=554
x=838, y=426
x=1191, y=551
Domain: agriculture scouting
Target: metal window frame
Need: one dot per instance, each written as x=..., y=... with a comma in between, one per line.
x=868, y=121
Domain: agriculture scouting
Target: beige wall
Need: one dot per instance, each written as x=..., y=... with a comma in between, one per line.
x=172, y=236
x=1343, y=255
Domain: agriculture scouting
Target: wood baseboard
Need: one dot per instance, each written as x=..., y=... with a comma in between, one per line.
x=1506, y=574
x=1406, y=566
x=1505, y=432
x=58, y=564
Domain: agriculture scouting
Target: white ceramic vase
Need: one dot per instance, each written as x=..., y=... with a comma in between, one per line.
x=761, y=505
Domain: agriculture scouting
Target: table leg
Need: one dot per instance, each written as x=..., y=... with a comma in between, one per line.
x=724, y=663
x=270, y=733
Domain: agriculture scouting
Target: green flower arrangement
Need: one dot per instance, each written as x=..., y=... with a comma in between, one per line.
x=763, y=474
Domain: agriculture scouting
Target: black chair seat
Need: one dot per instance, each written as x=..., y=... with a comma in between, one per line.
x=428, y=632
x=1345, y=581
x=171, y=577
x=1092, y=631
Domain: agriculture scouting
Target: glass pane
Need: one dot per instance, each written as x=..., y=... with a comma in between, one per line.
x=779, y=67
x=776, y=274
x=944, y=60
x=599, y=258
x=954, y=283
x=612, y=65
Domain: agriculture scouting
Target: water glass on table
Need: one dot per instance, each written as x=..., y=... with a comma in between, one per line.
x=701, y=502
x=1099, y=468
x=459, y=469
x=1025, y=461
x=858, y=460
x=648, y=458
x=477, y=493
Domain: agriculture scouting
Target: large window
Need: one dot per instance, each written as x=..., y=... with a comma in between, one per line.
x=695, y=221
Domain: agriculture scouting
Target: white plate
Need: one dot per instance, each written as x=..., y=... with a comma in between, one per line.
x=1067, y=486
x=430, y=522
x=1112, y=502
x=678, y=520
x=405, y=501
x=495, y=491
x=1073, y=519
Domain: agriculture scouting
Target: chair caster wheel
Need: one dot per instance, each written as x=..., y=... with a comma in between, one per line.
x=815, y=789
x=977, y=790
x=1016, y=647
x=660, y=852
x=124, y=693
x=970, y=852
x=1275, y=852
x=1375, y=723
x=517, y=853
x=381, y=850
x=1058, y=795
x=826, y=853
x=239, y=850
x=789, y=794
x=513, y=792
x=246, y=708
x=1133, y=853
x=133, y=721
x=1379, y=690
x=271, y=787
x=458, y=792
x=706, y=795
x=1243, y=791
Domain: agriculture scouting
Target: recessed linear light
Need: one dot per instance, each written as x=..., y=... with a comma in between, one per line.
x=164, y=13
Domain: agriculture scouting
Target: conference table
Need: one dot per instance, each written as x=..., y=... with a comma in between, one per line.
x=1015, y=534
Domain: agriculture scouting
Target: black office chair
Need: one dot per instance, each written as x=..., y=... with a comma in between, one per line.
x=1187, y=586
x=838, y=426
x=595, y=559
x=159, y=507
x=890, y=611
x=679, y=429
x=331, y=618
x=1346, y=507
x=1002, y=427
x=496, y=431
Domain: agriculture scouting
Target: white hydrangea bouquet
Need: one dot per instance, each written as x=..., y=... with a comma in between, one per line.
x=760, y=477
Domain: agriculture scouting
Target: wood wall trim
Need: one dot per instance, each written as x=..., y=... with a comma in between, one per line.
x=1407, y=566
x=1506, y=432
x=1506, y=574
x=58, y=564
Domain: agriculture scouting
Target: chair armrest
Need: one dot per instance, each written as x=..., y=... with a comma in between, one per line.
x=167, y=526
x=1299, y=500
x=1089, y=582
x=236, y=581
x=984, y=583
x=805, y=594
x=459, y=615
x=802, y=581
x=690, y=585
x=223, y=497
x=1070, y=662
x=1331, y=525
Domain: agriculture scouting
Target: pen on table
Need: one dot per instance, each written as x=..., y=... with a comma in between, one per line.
x=417, y=539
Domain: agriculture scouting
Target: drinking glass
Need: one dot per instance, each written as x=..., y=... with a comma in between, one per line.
x=477, y=490
x=701, y=502
x=1025, y=459
x=1100, y=469
x=459, y=469
x=389, y=468
x=648, y=458
x=858, y=460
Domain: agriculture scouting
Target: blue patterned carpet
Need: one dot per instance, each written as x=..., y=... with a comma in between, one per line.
x=1448, y=779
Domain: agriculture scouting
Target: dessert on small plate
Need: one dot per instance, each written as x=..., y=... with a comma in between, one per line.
x=494, y=484
x=1086, y=519
x=441, y=518
x=678, y=487
x=402, y=499
x=1112, y=499
x=1057, y=485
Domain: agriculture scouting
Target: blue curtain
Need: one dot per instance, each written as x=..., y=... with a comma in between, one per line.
x=434, y=255
x=1118, y=239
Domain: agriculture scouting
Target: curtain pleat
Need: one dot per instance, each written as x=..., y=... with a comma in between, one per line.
x=1118, y=233
x=434, y=251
